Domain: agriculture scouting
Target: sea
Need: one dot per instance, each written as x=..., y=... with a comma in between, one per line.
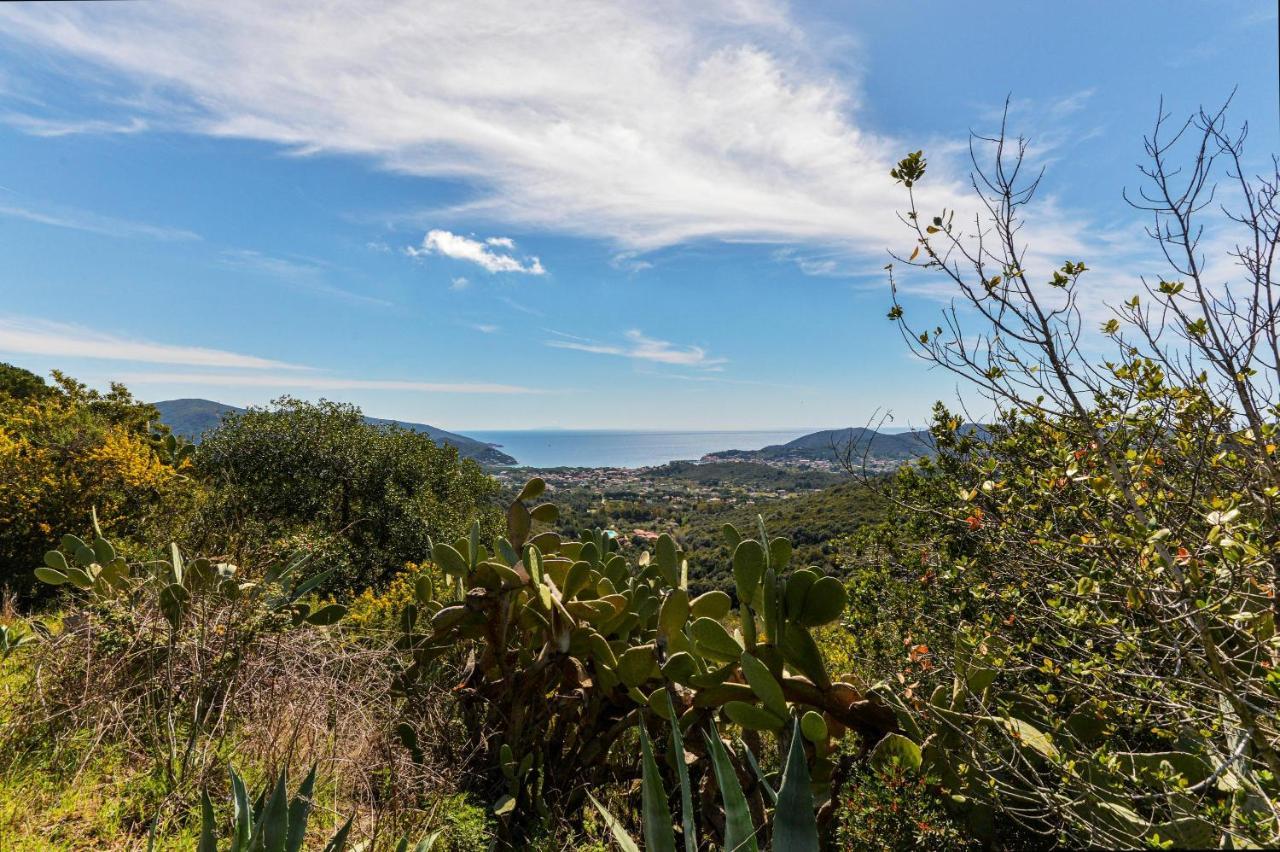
x=617, y=448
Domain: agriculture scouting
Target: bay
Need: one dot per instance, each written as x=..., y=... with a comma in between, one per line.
x=619, y=448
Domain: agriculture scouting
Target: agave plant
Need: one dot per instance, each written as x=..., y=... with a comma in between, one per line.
x=12, y=637
x=277, y=822
x=794, y=829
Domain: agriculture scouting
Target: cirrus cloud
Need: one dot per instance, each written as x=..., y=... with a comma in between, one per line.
x=637, y=346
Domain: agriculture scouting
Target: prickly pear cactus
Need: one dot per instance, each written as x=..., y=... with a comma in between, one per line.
x=567, y=645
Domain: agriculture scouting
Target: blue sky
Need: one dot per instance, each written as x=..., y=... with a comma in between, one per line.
x=528, y=215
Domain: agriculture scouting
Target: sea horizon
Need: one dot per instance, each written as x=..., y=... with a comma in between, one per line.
x=630, y=448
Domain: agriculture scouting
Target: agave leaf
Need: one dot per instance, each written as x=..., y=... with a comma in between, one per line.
x=242, y=816
x=299, y=813
x=682, y=771
x=620, y=836
x=769, y=793
x=208, y=824
x=308, y=584
x=274, y=825
x=428, y=843
x=795, y=827
x=739, y=834
x=658, y=834
x=338, y=843
x=177, y=563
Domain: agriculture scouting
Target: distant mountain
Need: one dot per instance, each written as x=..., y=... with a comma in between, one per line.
x=192, y=418
x=882, y=448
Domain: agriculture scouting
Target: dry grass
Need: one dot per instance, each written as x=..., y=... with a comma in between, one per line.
x=114, y=723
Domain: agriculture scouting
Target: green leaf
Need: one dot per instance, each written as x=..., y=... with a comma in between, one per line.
x=327, y=615
x=674, y=613
x=714, y=641
x=739, y=834
x=752, y=717
x=802, y=652
x=533, y=489
x=764, y=685
x=668, y=560
x=545, y=513
x=795, y=825
x=620, y=836
x=300, y=812
x=814, y=727
x=896, y=748
x=208, y=824
x=449, y=560
x=55, y=560
x=338, y=842
x=50, y=576
x=658, y=834
x=749, y=562
x=682, y=771
x=714, y=604
x=1031, y=736
x=824, y=602
x=275, y=816
x=636, y=664
x=103, y=550
x=242, y=816
x=173, y=600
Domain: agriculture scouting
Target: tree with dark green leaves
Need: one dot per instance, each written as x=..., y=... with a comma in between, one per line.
x=366, y=499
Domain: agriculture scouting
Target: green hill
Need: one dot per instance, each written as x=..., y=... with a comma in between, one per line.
x=192, y=418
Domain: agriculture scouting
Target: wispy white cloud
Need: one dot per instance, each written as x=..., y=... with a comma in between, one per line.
x=482, y=254
x=51, y=127
x=638, y=346
x=646, y=122
x=300, y=274
x=28, y=336
x=94, y=223
x=629, y=261
x=459, y=283
x=485, y=328
x=318, y=382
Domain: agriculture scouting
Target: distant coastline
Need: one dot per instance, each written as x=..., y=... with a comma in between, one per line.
x=548, y=448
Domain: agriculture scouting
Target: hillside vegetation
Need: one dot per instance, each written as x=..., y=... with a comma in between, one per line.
x=1058, y=630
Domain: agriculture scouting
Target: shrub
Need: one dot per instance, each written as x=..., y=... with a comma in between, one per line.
x=371, y=497
x=66, y=450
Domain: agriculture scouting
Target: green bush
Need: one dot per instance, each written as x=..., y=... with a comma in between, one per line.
x=369, y=498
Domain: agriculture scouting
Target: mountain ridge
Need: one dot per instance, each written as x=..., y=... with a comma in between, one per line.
x=193, y=417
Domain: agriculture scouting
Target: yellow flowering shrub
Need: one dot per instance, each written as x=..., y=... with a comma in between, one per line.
x=65, y=452
x=376, y=611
